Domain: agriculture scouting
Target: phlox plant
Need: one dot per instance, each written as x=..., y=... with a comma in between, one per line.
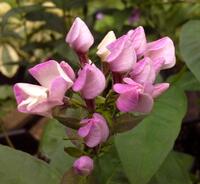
x=113, y=95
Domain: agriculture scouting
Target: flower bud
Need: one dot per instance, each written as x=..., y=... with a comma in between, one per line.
x=122, y=56
x=94, y=130
x=162, y=49
x=138, y=39
x=79, y=36
x=90, y=82
x=83, y=165
x=103, y=52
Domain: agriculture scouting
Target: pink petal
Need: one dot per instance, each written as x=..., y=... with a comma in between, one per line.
x=159, y=89
x=68, y=70
x=90, y=82
x=84, y=130
x=81, y=80
x=23, y=90
x=121, y=88
x=79, y=36
x=122, y=56
x=143, y=72
x=162, y=48
x=58, y=89
x=138, y=39
x=45, y=73
x=126, y=102
x=145, y=103
x=103, y=125
x=94, y=137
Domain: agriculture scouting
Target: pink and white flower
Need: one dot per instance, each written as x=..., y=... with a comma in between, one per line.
x=55, y=80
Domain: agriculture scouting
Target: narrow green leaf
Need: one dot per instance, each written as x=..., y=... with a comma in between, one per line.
x=143, y=149
x=73, y=151
x=17, y=167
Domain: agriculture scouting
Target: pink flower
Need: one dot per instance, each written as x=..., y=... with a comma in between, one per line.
x=143, y=71
x=94, y=130
x=138, y=40
x=136, y=97
x=90, y=82
x=55, y=81
x=83, y=165
x=122, y=56
x=162, y=49
x=79, y=36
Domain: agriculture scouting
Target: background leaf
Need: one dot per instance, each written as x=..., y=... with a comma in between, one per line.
x=143, y=149
x=52, y=145
x=17, y=167
x=174, y=170
x=190, y=46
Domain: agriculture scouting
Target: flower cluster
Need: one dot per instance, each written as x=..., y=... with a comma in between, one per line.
x=133, y=64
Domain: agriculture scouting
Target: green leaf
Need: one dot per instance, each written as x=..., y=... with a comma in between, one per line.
x=126, y=122
x=52, y=145
x=108, y=168
x=190, y=46
x=73, y=151
x=187, y=82
x=21, y=168
x=174, y=170
x=143, y=149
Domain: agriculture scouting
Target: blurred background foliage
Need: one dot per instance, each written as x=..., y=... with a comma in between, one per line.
x=32, y=31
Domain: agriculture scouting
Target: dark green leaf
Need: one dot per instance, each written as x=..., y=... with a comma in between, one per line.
x=126, y=122
x=73, y=151
x=21, y=168
x=143, y=149
x=190, y=46
x=174, y=170
x=52, y=145
x=187, y=82
x=108, y=169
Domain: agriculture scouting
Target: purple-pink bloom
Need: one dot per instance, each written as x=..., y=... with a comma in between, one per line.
x=90, y=82
x=162, y=49
x=143, y=71
x=83, y=165
x=79, y=36
x=137, y=97
x=54, y=80
x=94, y=130
x=122, y=56
x=138, y=39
